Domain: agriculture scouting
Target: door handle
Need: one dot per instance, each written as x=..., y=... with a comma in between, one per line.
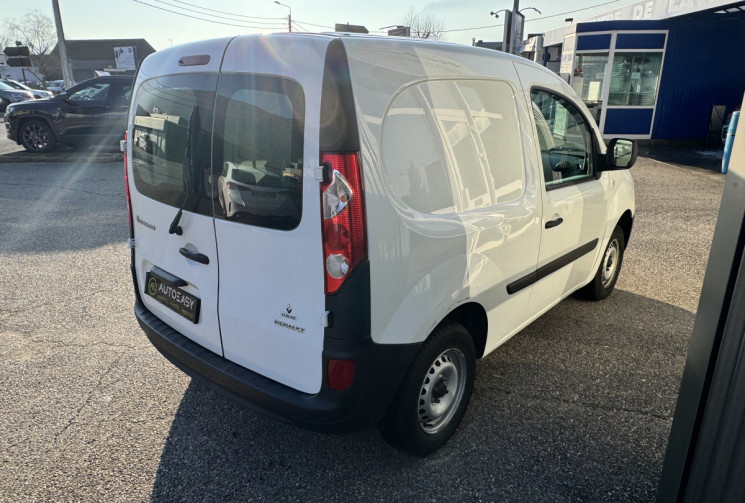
x=195, y=256
x=553, y=223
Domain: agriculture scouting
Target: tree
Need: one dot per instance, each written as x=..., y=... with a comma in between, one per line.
x=38, y=33
x=425, y=24
x=34, y=30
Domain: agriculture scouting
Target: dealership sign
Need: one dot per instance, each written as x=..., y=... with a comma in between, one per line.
x=124, y=58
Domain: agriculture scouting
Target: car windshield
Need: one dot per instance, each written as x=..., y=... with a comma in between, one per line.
x=6, y=87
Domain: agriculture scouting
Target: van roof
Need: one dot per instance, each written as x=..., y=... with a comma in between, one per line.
x=385, y=40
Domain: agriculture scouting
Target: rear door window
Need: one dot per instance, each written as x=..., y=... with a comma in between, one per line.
x=171, y=141
x=259, y=127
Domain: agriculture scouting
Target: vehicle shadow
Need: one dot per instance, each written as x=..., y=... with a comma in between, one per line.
x=88, y=153
x=577, y=406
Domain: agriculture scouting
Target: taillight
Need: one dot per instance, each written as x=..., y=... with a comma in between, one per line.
x=340, y=374
x=342, y=209
x=126, y=185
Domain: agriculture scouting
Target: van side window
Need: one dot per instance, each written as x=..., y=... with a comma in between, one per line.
x=172, y=140
x=259, y=127
x=451, y=146
x=493, y=111
x=564, y=138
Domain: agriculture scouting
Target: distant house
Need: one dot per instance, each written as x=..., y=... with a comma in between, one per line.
x=116, y=56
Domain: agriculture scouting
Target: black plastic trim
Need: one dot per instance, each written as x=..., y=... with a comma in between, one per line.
x=349, y=308
x=551, y=267
x=379, y=371
x=338, y=118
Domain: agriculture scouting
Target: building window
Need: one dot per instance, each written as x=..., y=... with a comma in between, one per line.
x=589, y=76
x=634, y=79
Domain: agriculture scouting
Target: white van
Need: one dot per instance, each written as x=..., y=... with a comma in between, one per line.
x=331, y=229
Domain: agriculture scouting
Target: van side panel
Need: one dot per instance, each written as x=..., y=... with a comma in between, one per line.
x=438, y=226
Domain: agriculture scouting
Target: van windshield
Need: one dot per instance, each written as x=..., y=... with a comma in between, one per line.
x=259, y=124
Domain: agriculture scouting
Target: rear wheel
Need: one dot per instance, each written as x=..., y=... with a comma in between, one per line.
x=37, y=136
x=433, y=398
x=607, y=274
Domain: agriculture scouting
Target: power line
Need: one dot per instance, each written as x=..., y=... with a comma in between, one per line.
x=535, y=18
x=223, y=12
x=318, y=25
x=572, y=11
x=299, y=27
x=473, y=28
x=207, y=20
x=272, y=24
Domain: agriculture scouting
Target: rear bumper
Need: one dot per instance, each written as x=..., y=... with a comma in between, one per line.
x=379, y=370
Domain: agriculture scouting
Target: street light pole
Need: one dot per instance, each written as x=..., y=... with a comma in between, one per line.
x=511, y=27
x=289, y=16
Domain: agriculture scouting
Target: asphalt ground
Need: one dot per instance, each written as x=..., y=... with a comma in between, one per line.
x=577, y=407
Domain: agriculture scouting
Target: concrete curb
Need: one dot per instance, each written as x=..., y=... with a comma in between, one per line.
x=23, y=156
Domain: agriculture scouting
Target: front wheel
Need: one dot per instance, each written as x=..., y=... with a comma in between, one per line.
x=607, y=274
x=37, y=136
x=432, y=400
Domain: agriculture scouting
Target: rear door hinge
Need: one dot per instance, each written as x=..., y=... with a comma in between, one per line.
x=322, y=173
x=326, y=319
x=131, y=243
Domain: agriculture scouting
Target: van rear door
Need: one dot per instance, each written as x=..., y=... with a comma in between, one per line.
x=267, y=211
x=171, y=190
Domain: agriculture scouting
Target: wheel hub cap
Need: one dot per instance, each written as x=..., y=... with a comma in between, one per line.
x=35, y=137
x=442, y=391
x=610, y=263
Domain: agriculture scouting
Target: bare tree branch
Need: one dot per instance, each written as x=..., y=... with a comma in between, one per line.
x=35, y=30
x=425, y=24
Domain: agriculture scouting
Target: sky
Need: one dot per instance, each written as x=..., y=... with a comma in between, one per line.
x=150, y=19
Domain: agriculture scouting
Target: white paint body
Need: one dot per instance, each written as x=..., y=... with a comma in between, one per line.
x=423, y=265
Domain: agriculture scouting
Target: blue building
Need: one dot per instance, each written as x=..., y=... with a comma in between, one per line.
x=661, y=69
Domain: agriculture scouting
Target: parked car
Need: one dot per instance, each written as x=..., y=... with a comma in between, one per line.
x=250, y=186
x=423, y=203
x=56, y=86
x=38, y=93
x=9, y=94
x=94, y=111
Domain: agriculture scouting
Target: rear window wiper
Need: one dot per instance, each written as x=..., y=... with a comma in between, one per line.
x=191, y=134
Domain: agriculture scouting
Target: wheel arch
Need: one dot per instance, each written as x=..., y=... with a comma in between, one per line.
x=626, y=222
x=44, y=118
x=473, y=317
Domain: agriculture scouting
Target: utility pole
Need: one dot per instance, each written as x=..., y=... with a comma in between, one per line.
x=64, y=62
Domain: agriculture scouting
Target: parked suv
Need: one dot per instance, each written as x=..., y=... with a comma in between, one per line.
x=331, y=229
x=94, y=111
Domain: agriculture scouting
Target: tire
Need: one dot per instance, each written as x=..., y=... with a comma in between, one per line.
x=433, y=398
x=610, y=266
x=37, y=136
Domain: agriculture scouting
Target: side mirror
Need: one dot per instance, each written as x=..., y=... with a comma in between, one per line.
x=621, y=153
